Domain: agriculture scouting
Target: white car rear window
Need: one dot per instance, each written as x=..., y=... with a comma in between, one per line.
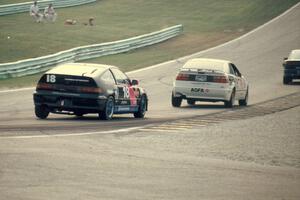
x=206, y=65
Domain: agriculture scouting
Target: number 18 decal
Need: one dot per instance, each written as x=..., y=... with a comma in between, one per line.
x=126, y=92
x=50, y=78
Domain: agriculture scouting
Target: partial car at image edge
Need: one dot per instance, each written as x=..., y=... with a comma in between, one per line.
x=291, y=67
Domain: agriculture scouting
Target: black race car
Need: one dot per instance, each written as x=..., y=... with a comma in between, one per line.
x=79, y=88
x=291, y=67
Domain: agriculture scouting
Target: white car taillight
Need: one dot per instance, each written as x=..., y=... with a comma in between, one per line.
x=182, y=77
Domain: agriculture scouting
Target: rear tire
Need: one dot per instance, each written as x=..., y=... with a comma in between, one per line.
x=191, y=102
x=244, y=102
x=230, y=103
x=286, y=80
x=142, y=108
x=41, y=112
x=108, y=111
x=176, y=101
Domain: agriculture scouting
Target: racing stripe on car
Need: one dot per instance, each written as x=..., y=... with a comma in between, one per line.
x=133, y=100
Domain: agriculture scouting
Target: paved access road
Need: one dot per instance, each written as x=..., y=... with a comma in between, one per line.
x=257, y=158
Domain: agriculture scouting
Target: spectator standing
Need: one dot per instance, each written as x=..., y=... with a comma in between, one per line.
x=50, y=13
x=35, y=12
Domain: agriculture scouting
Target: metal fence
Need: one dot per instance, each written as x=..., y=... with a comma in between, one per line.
x=40, y=64
x=24, y=7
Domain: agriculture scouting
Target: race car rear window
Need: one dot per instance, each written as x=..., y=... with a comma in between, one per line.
x=67, y=80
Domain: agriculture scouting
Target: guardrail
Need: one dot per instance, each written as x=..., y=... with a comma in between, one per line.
x=24, y=7
x=40, y=64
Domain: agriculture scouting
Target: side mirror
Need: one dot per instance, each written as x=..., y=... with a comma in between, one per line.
x=284, y=61
x=134, y=82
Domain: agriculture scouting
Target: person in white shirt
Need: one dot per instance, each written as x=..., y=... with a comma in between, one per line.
x=50, y=13
x=35, y=12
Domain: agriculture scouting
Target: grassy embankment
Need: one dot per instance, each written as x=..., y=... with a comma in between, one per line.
x=4, y=2
x=206, y=24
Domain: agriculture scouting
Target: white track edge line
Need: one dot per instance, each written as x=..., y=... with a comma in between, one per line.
x=185, y=57
x=16, y=90
x=71, y=134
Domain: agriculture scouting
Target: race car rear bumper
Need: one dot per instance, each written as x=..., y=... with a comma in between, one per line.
x=83, y=103
x=213, y=95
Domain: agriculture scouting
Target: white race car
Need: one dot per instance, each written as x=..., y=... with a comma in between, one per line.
x=210, y=80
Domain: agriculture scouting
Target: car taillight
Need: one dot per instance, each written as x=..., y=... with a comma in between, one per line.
x=44, y=86
x=220, y=79
x=91, y=90
x=182, y=77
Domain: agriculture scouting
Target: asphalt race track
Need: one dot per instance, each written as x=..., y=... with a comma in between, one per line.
x=258, y=55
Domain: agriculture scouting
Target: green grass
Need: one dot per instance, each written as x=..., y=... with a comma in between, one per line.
x=5, y=2
x=20, y=82
x=206, y=23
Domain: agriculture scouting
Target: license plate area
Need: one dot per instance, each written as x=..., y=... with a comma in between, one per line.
x=201, y=78
x=65, y=102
